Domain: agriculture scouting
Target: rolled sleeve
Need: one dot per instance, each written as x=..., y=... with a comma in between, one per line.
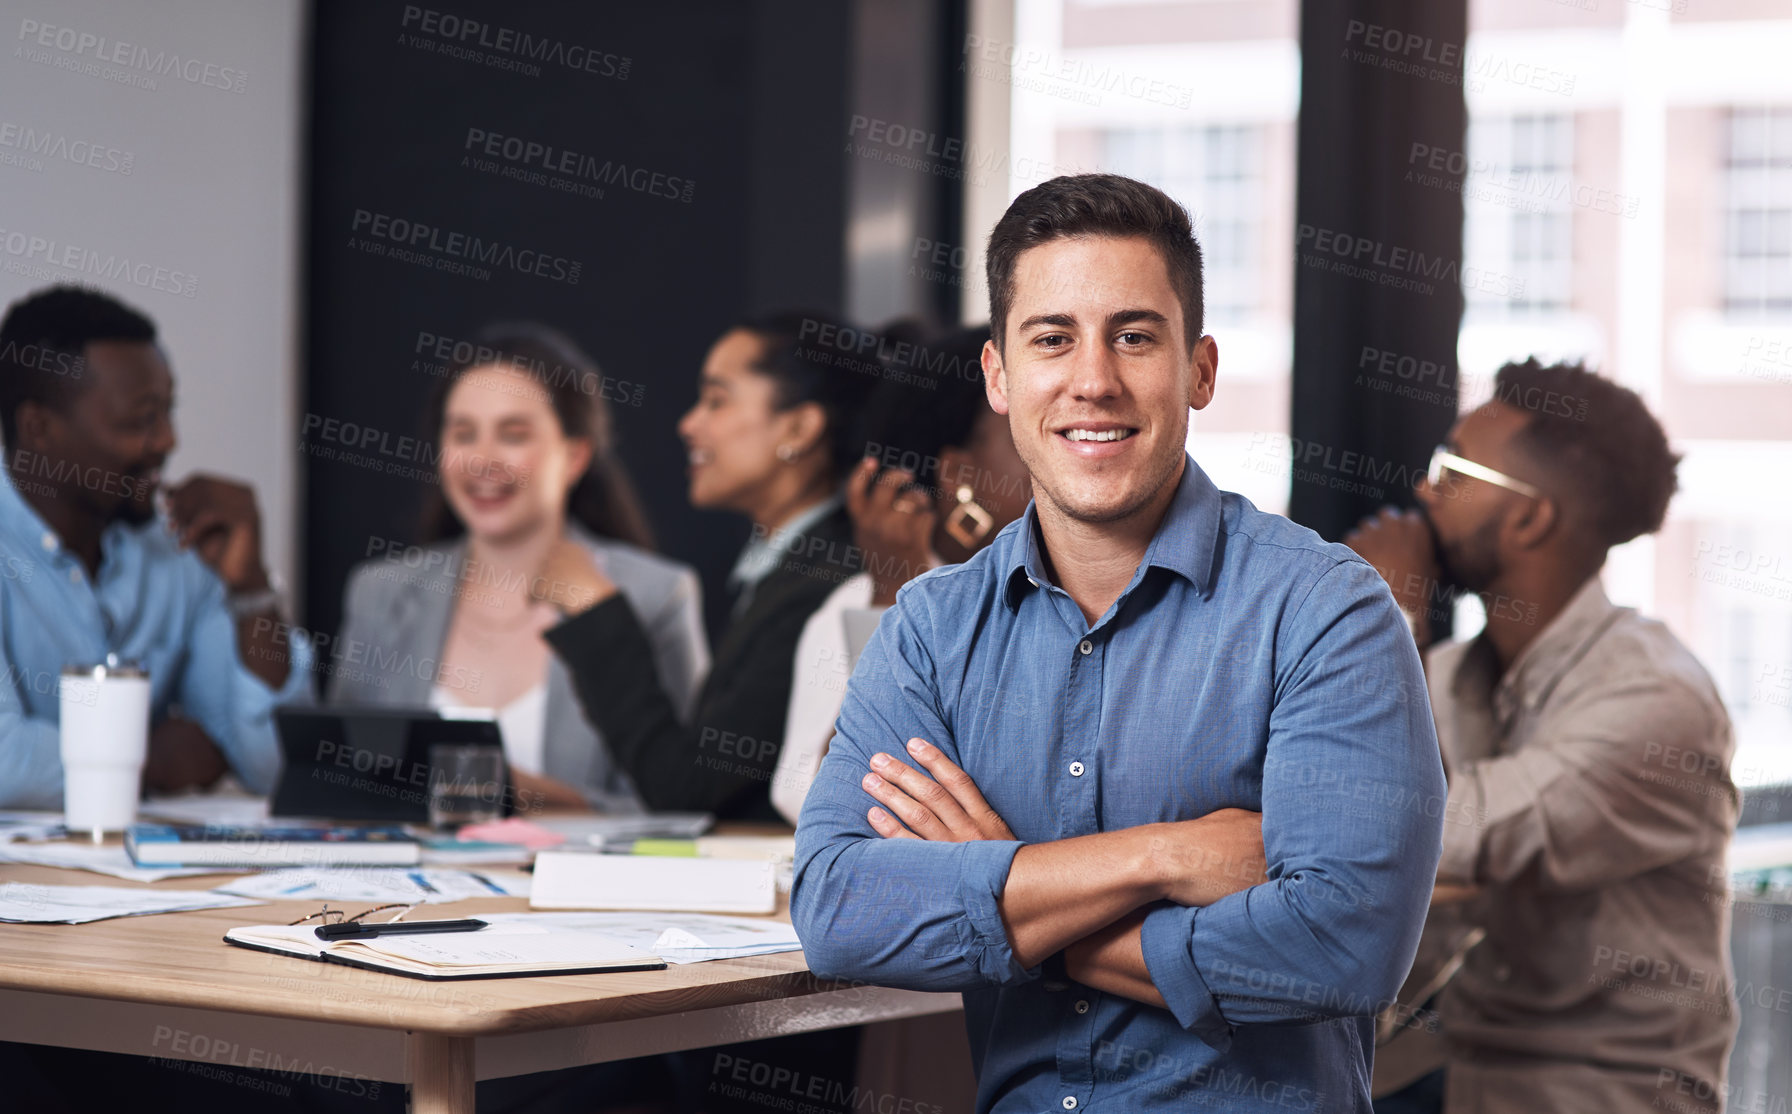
x=1165, y=938
x=982, y=875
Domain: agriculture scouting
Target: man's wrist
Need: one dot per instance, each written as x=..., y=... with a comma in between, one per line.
x=256, y=595
x=1151, y=868
x=256, y=579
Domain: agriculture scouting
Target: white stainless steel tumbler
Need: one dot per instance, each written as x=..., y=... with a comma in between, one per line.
x=105, y=736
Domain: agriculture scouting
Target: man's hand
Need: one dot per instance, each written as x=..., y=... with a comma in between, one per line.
x=181, y=756
x=1403, y=549
x=1200, y=861
x=946, y=807
x=893, y=524
x=571, y=580
x=1451, y=893
x=217, y=519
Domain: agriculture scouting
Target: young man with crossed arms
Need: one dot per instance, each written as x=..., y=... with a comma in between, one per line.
x=1151, y=779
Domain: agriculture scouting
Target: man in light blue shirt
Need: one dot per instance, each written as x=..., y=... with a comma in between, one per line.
x=88, y=568
x=1047, y=780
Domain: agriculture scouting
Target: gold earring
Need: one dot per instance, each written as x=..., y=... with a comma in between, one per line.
x=968, y=522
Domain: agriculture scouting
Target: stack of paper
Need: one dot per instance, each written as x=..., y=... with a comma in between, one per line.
x=674, y=937
x=23, y=903
x=648, y=825
x=378, y=885
x=96, y=857
x=226, y=809
x=574, y=880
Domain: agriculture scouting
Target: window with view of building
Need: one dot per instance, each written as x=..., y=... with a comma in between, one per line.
x=1757, y=268
x=1517, y=202
x=1216, y=171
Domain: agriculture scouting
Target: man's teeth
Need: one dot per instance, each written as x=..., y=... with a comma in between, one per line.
x=1098, y=434
x=699, y=456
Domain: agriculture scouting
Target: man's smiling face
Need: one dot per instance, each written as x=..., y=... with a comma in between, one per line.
x=1097, y=375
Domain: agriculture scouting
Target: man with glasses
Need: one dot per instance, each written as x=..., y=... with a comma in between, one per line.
x=1590, y=802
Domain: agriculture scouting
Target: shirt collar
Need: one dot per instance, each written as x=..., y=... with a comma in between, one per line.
x=764, y=551
x=20, y=522
x=1542, y=664
x=1185, y=542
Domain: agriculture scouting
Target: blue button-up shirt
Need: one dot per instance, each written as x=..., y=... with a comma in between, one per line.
x=1248, y=664
x=152, y=603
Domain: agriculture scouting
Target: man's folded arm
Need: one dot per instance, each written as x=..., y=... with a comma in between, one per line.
x=934, y=915
x=1627, y=779
x=1353, y=796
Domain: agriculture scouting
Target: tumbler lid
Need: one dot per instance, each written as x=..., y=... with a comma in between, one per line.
x=113, y=666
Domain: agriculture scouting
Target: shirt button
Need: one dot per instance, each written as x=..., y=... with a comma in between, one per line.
x=1070, y=1102
x=1082, y=1005
x=49, y=542
x=1086, y=646
x=1076, y=769
x=74, y=576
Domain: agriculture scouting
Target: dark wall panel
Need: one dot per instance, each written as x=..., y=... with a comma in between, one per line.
x=701, y=144
x=1378, y=253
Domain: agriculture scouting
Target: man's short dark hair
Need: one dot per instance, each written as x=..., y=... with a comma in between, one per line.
x=1598, y=442
x=42, y=344
x=1095, y=205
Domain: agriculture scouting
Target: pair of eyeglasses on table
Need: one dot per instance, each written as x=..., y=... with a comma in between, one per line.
x=336, y=924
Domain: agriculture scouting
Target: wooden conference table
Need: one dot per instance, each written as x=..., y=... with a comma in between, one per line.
x=168, y=986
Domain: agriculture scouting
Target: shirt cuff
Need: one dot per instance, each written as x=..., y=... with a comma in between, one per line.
x=300, y=658
x=1463, y=818
x=597, y=629
x=1167, y=939
x=983, y=867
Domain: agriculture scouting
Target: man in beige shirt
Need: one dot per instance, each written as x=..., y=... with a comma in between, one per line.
x=1590, y=803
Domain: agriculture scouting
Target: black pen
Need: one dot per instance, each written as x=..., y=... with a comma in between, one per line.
x=355, y=930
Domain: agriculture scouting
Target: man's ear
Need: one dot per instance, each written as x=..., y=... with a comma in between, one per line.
x=995, y=378
x=1535, y=523
x=1205, y=373
x=37, y=426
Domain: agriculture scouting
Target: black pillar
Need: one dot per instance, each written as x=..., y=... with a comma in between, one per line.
x=1378, y=253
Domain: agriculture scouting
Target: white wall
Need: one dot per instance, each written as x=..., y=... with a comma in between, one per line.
x=208, y=208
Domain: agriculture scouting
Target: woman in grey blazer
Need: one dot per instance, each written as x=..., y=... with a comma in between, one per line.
x=526, y=460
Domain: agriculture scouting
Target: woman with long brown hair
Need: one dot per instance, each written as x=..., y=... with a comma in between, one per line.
x=526, y=462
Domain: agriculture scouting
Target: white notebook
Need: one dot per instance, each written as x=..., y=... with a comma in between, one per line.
x=495, y=951
x=581, y=880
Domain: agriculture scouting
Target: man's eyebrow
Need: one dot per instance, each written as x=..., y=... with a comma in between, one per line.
x=1061, y=320
x=1129, y=316
x=708, y=380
